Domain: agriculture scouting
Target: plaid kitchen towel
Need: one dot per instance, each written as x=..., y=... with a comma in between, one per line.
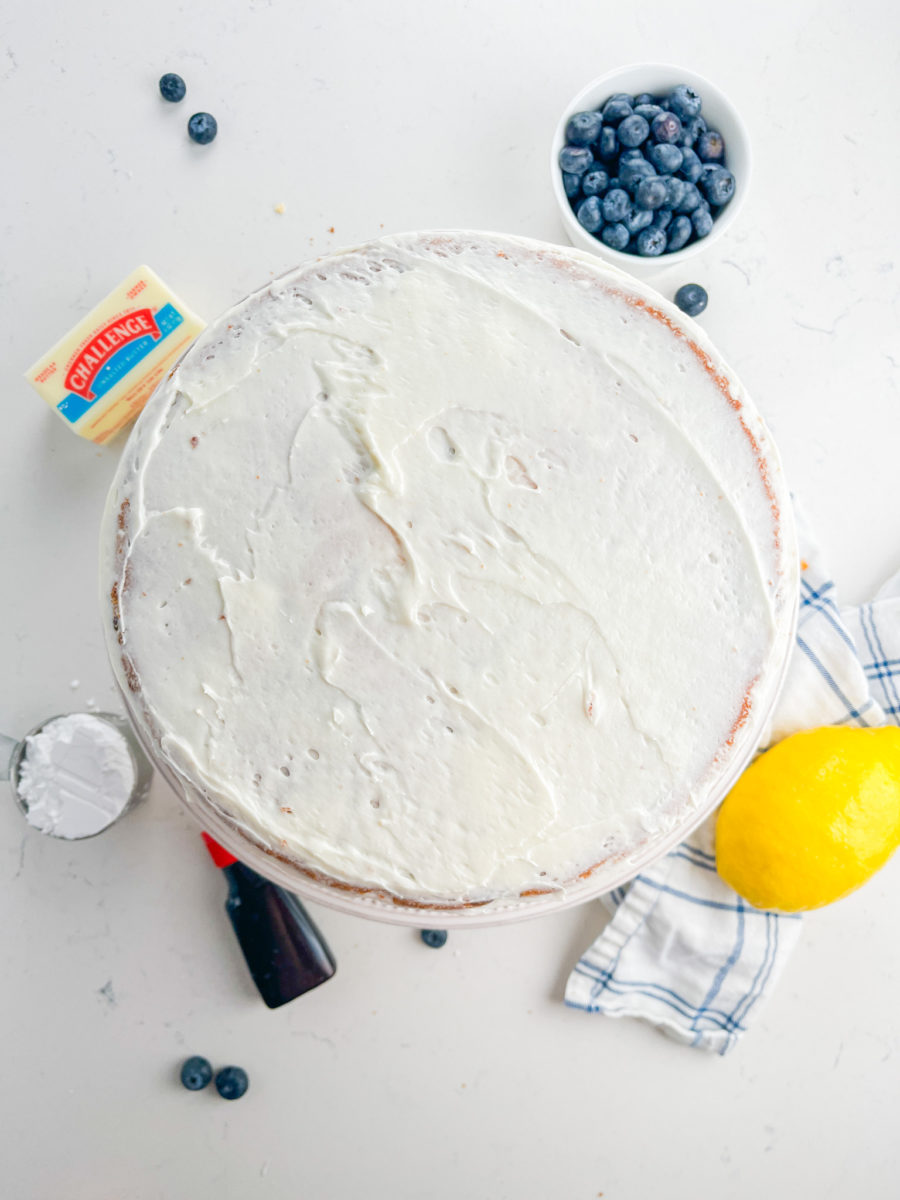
x=682, y=950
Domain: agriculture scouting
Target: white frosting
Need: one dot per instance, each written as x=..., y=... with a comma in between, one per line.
x=448, y=568
x=76, y=776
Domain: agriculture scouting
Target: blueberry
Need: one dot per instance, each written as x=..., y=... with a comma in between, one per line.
x=632, y=131
x=643, y=98
x=684, y=102
x=691, y=298
x=196, y=1072
x=614, y=185
x=674, y=191
x=575, y=160
x=632, y=154
x=651, y=242
x=583, y=128
x=171, y=87
x=589, y=214
x=702, y=222
x=719, y=187
x=616, y=204
x=691, y=130
x=435, y=938
x=651, y=193
x=202, y=128
x=665, y=127
x=637, y=219
x=608, y=145
x=662, y=218
x=648, y=111
x=691, y=166
x=689, y=200
x=595, y=181
x=706, y=173
x=665, y=157
x=630, y=173
x=679, y=233
x=710, y=146
x=232, y=1082
x=571, y=184
x=615, y=236
x=617, y=108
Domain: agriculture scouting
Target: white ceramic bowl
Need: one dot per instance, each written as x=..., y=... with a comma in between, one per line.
x=720, y=114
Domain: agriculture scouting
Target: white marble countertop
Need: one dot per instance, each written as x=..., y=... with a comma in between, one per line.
x=416, y=1074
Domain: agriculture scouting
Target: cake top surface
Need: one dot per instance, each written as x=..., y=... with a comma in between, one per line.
x=451, y=566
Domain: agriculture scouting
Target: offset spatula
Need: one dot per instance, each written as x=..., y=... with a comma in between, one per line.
x=286, y=954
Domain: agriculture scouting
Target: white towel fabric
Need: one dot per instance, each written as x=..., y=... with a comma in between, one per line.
x=683, y=950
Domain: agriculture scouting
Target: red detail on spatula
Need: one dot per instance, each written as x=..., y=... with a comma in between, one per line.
x=220, y=856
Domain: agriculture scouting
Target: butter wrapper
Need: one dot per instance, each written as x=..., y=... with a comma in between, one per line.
x=101, y=374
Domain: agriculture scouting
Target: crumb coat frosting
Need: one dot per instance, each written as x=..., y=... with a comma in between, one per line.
x=450, y=565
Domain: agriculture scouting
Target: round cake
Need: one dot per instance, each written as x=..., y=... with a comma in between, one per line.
x=451, y=568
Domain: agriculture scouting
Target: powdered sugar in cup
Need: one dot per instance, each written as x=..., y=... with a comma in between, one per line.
x=75, y=775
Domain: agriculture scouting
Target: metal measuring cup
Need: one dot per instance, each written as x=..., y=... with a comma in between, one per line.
x=13, y=751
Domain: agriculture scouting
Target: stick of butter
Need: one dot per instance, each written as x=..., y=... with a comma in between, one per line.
x=100, y=375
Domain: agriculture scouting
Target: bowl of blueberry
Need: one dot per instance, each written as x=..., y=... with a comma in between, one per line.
x=650, y=164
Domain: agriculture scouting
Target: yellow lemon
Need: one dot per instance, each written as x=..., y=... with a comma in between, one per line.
x=812, y=818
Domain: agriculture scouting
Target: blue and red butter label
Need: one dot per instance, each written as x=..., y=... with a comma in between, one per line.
x=101, y=374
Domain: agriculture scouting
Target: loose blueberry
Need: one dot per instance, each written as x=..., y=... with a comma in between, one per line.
x=702, y=222
x=594, y=182
x=710, y=146
x=232, y=1082
x=589, y=214
x=691, y=298
x=651, y=242
x=684, y=102
x=583, y=128
x=665, y=127
x=608, y=144
x=632, y=154
x=172, y=87
x=662, y=219
x=196, y=1072
x=679, y=233
x=651, y=193
x=575, y=160
x=617, y=108
x=615, y=184
x=615, y=236
x=202, y=128
x=637, y=219
x=691, y=131
x=689, y=200
x=643, y=98
x=616, y=205
x=648, y=111
x=632, y=131
x=630, y=173
x=665, y=157
x=435, y=938
x=571, y=184
x=691, y=166
x=718, y=188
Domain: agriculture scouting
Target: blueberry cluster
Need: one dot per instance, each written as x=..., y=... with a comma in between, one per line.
x=196, y=1074
x=202, y=126
x=645, y=174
